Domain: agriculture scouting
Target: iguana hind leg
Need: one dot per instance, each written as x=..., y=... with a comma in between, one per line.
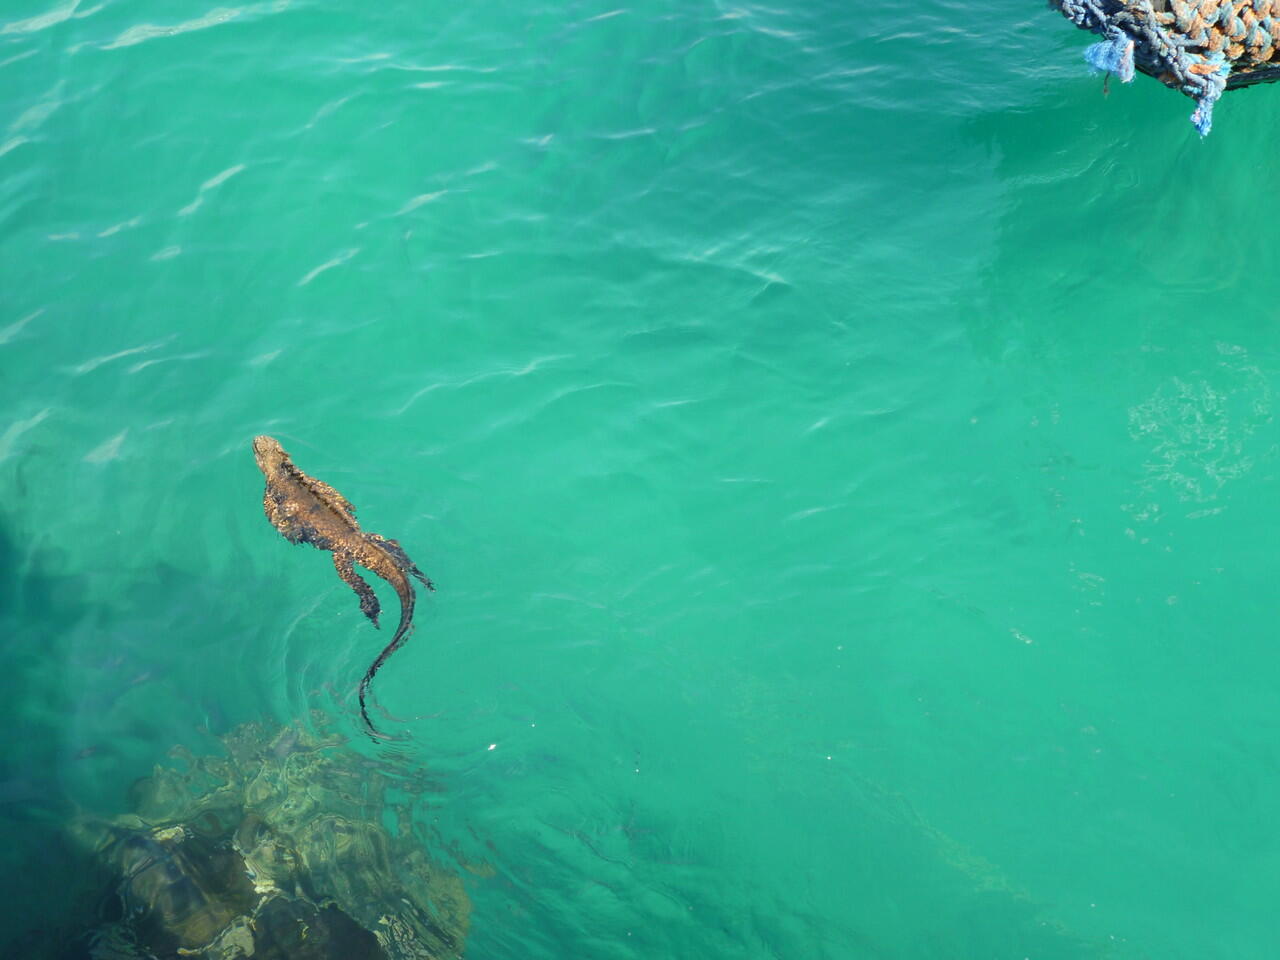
x=426, y=581
x=408, y=566
x=369, y=605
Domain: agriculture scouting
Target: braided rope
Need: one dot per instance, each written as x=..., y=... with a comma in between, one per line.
x=1191, y=45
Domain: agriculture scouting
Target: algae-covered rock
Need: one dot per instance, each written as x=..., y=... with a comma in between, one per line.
x=281, y=849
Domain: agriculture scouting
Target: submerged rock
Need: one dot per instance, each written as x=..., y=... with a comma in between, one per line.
x=290, y=846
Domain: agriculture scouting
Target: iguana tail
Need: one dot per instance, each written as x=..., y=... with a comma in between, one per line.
x=402, y=634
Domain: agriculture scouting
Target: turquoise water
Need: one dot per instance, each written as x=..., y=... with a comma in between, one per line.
x=844, y=443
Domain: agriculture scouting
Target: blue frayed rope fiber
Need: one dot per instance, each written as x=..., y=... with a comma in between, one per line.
x=1112, y=56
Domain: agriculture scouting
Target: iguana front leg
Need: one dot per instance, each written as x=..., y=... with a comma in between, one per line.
x=368, y=599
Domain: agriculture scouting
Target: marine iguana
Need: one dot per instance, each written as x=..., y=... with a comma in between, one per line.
x=307, y=510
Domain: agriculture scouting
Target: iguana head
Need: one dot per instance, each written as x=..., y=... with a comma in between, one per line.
x=268, y=452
